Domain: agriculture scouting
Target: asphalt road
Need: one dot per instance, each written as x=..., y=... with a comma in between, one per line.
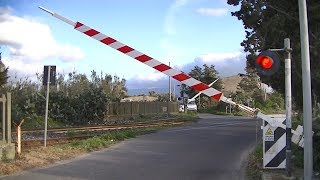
x=215, y=147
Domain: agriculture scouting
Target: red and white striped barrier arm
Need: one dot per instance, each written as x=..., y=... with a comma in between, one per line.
x=141, y=57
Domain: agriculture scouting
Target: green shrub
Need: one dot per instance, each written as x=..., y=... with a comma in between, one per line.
x=90, y=144
x=37, y=122
x=298, y=151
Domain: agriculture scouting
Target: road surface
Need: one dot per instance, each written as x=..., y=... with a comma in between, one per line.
x=215, y=147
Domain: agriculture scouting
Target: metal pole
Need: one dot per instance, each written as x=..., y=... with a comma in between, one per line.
x=306, y=87
x=174, y=92
x=47, y=104
x=287, y=48
x=169, y=86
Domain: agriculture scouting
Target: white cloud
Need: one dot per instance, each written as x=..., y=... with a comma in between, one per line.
x=226, y=63
x=22, y=67
x=31, y=42
x=212, y=11
x=220, y=57
x=171, y=14
x=154, y=76
x=171, y=52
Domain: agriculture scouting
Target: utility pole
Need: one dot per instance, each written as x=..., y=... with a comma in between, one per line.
x=169, y=86
x=306, y=87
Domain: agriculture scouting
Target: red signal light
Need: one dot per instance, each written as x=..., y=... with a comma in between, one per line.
x=267, y=63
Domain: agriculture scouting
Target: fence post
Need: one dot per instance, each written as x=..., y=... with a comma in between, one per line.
x=3, y=118
x=168, y=106
x=118, y=109
x=157, y=107
x=19, y=138
x=131, y=107
x=8, y=117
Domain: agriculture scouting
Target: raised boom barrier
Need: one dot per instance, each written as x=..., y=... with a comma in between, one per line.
x=143, y=58
x=270, y=135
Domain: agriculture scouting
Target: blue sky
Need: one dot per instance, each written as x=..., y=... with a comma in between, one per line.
x=183, y=32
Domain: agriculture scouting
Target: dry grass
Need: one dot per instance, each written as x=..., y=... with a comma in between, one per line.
x=39, y=157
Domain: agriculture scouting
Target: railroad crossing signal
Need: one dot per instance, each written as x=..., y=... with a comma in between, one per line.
x=267, y=63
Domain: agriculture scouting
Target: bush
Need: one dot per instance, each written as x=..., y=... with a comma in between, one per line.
x=76, y=101
x=298, y=151
x=37, y=122
x=218, y=109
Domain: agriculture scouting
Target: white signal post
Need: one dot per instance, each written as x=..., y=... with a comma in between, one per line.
x=288, y=50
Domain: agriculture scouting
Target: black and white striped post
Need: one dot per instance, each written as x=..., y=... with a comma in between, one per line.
x=274, y=144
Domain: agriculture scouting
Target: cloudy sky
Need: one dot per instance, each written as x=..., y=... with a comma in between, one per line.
x=183, y=32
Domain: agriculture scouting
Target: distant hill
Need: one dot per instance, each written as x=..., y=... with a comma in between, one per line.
x=230, y=84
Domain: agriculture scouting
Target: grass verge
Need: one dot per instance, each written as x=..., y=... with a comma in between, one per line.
x=110, y=138
x=254, y=169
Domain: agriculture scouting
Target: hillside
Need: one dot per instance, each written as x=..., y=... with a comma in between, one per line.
x=230, y=84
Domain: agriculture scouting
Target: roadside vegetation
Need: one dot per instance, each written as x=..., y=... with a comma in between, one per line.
x=75, y=100
x=267, y=24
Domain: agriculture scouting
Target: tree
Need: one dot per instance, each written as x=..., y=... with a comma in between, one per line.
x=207, y=75
x=267, y=23
x=3, y=72
x=249, y=90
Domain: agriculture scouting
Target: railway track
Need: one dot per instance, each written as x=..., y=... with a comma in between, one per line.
x=34, y=138
x=101, y=127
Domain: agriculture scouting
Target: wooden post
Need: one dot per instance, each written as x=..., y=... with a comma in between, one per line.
x=19, y=138
x=3, y=118
x=8, y=117
x=131, y=108
x=157, y=107
x=117, y=104
x=168, y=108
